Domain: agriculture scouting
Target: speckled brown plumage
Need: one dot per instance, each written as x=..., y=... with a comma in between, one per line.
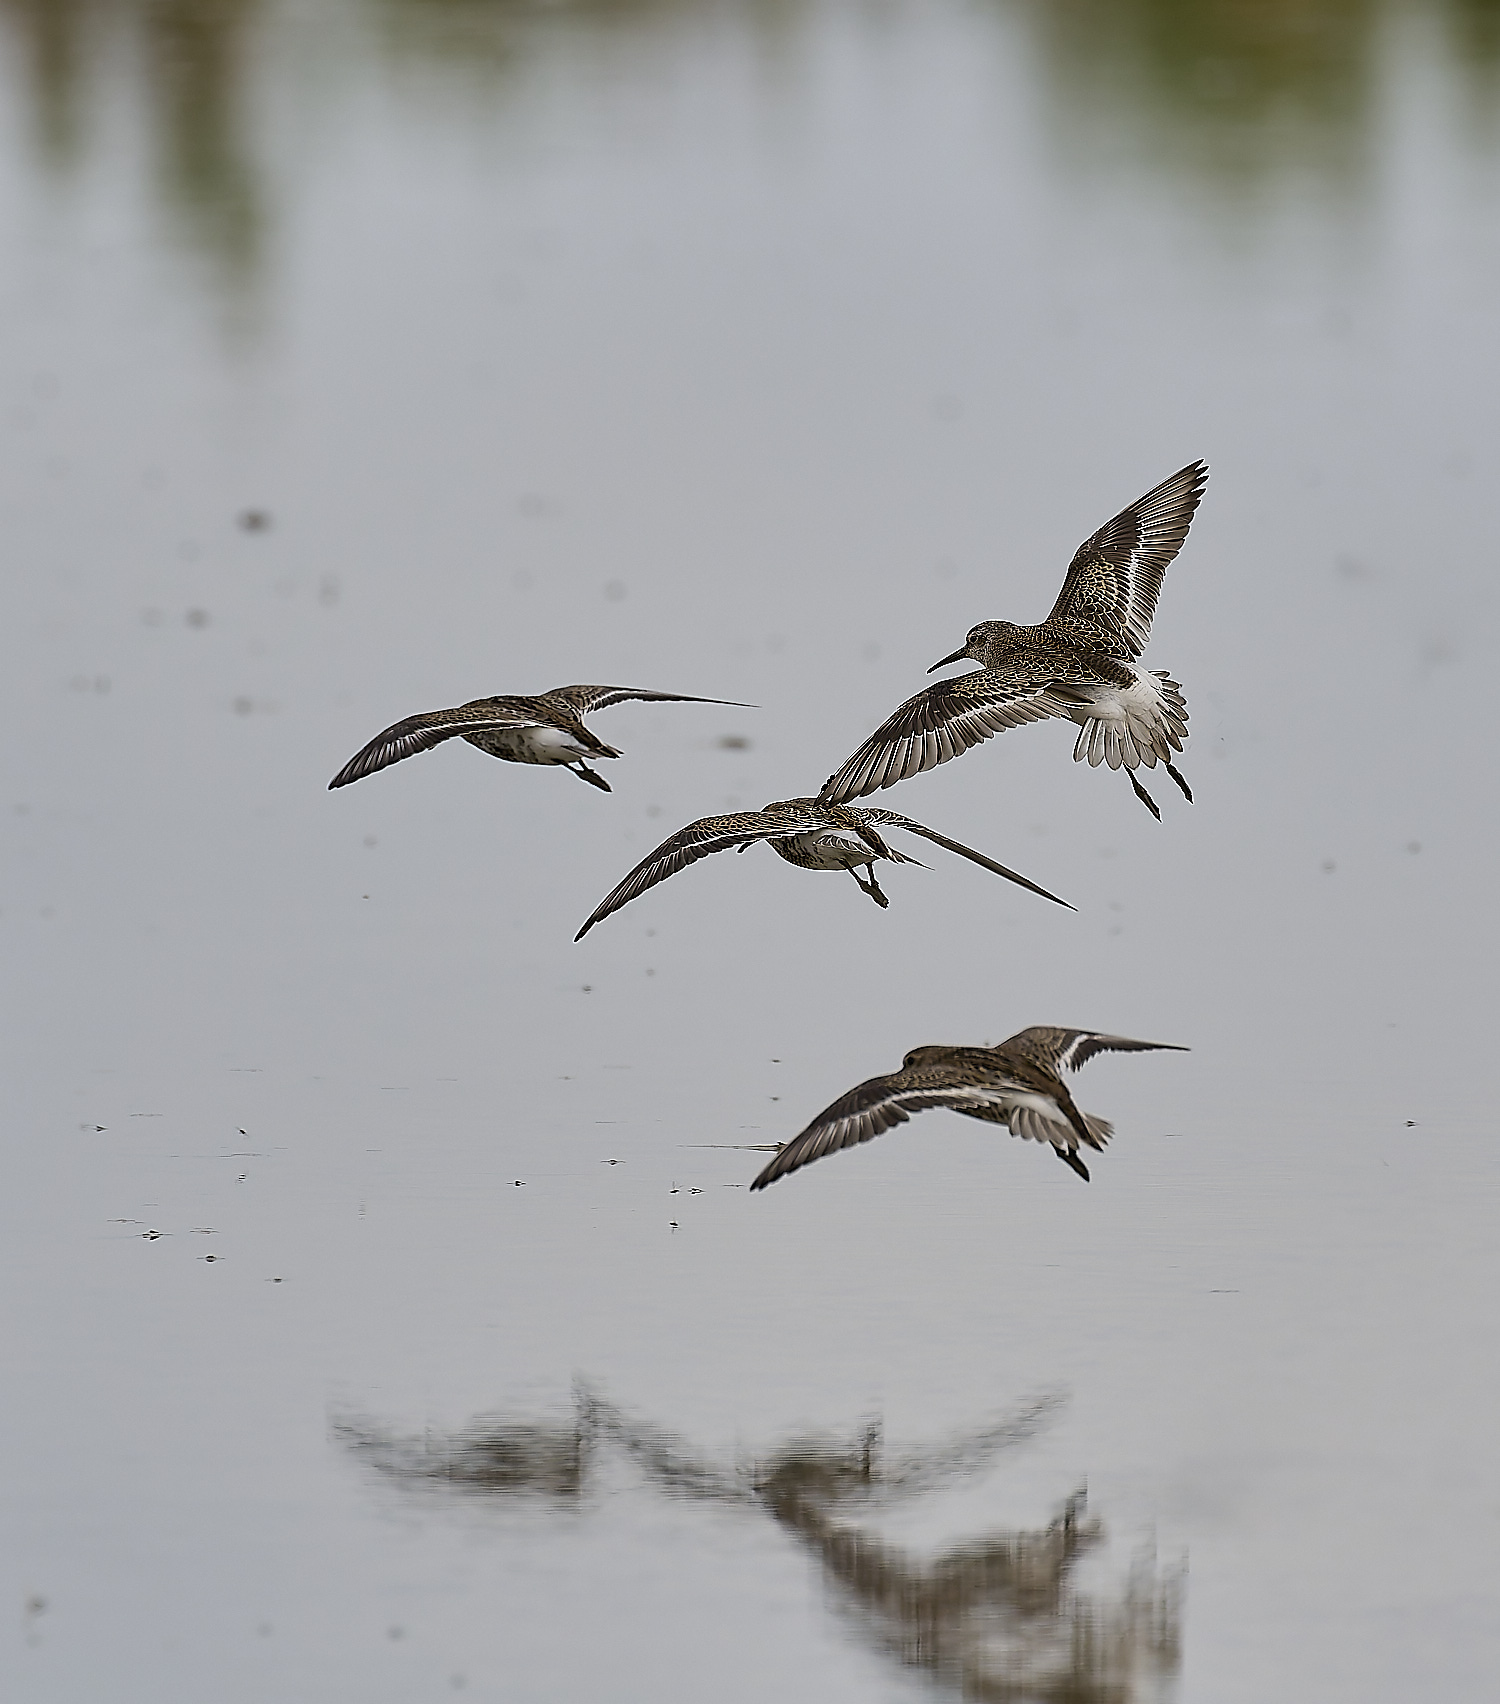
x=1078, y=664
x=545, y=729
x=808, y=834
x=1017, y=1084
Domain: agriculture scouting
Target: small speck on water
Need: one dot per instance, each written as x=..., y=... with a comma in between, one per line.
x=733, y=742
x=1329, y=866
x=254, y=520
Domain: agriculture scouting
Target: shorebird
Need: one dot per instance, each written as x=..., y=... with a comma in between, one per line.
x=1017, y=1084
x=546, y=729
x=805, y=833
x=1079, y=664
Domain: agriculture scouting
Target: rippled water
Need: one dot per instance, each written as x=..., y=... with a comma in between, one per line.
x=389, y=1317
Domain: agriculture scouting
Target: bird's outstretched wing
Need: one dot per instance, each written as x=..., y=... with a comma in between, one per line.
x=422, y=733
x=1070, y=1050
x=1114, y=579
x=896, y=821
x=698, y=840
x=583, y=700
x=876, y=1106
x=943, y=722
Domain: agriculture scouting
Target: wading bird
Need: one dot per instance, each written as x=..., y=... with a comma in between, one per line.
x=1017, y=1084
x=1079, y=664
x=545, y=729
x=805, y=833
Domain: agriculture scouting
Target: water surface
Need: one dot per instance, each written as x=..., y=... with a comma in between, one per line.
x=359, y=358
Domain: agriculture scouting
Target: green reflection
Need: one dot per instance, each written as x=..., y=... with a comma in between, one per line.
x=1240, y=92
x=51, y=35
x=1237, y=95
x=999, y=1616
x=198, y=59
x=185, y=66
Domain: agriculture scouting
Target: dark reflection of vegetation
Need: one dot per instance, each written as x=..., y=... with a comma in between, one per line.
x=194, y=59
x=474, y=37
x=1232, y=89
x=1235, y=92
x=198, y=53
x=998, y=1617
x=51, y=34
x=1238, y=90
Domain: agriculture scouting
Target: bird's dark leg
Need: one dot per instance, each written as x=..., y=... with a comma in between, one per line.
x=1069, y=1158
x=1187, y=792
x=584, y=773
x=1143, y=795
x=871, y=887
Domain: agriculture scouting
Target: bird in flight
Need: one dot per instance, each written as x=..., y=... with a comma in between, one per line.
x=1080, y=663
x=1018, y=1084
x=808, y=834
x=548, y=728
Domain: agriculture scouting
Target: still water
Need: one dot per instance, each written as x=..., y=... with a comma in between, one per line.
x=388, y=1316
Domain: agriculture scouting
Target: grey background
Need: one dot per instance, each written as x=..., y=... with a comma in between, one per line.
x=753, y=351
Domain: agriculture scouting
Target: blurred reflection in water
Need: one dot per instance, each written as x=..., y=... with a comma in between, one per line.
x=997, y=1616
x=1240, y=92
x=1220, y=90
x=193, y=61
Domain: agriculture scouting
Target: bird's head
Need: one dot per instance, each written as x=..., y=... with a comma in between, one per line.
x=980, y=642
x=920, y=1056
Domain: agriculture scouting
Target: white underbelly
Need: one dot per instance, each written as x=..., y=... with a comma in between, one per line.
x=536, y=745
x=1117, y=704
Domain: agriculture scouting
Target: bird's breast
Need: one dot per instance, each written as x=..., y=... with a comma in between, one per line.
x=821, y=851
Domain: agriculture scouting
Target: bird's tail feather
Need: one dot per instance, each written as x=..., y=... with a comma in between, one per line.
x=1140, y=736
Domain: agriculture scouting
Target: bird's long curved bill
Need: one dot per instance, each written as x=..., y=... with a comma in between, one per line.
x=990, y=864
x=957, y=657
